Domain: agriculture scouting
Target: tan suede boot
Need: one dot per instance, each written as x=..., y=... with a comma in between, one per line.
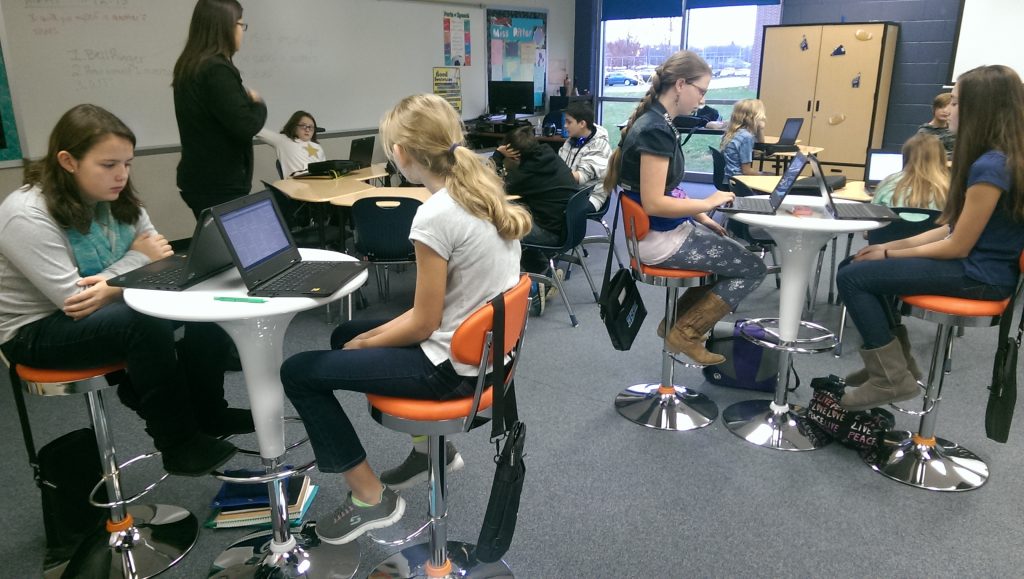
x=861, y=376
x=687, y=334
x=683, y=303
x=889, y=380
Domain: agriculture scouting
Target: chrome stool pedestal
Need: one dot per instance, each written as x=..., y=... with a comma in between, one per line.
x=776, y=423
x=412, y=562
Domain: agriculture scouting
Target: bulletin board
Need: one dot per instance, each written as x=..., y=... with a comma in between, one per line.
x=517, y=48
x=10, y=147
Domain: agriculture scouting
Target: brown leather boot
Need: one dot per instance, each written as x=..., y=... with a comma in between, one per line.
x=683, y=303
x=889, y=380
x=687, y=334
x=861, y=376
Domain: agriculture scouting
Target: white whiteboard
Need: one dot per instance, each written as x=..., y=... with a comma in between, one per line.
x=989, y=33
x=345, y=61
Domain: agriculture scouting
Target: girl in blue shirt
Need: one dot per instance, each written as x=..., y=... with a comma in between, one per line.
x=974, y=254
x=746, y=127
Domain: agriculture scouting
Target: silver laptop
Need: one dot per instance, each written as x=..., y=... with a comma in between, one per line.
x=880, y=165
x=771, y=205
x=850, y=211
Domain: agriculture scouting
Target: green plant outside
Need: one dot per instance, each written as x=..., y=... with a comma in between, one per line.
x=698, y=158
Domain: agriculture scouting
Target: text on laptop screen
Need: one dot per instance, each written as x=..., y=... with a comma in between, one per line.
x=255, y=232
x=788, y=178
x=881, y=165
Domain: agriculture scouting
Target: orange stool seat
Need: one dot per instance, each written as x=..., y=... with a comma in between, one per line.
x=666, y=271
x=428, y=410
x=50, y=376
x=957, y=306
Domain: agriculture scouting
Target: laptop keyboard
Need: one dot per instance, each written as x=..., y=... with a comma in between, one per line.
x=855, y=210
x=167, y=276
x=747, y=204
x=295, y=276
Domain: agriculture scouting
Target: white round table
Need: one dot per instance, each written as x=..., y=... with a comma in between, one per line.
x=777, y=424
x=258, y=331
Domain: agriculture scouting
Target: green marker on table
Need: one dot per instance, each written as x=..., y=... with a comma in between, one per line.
x=243, y=300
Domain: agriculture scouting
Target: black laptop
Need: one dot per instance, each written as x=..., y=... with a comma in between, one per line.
x=771, y=205
x=787, y=140
x=206, y=256
x=850, y=211
x=266, y=255
x=880, y=165
x=361, y=152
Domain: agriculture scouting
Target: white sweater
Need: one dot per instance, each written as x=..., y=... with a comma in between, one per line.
x=294, y=154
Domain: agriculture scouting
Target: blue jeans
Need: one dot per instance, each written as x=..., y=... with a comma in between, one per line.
x=866, y=288
x=160, y=387
x=310, y=379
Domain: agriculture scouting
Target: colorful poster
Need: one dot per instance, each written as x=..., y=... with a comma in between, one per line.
x=457, y=50
x=448, y=84
x=10, y=147
x=517, y=48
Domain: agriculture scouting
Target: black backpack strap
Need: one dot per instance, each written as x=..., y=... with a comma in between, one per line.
x=26, y=428
x=611, y=247
x=505, y=412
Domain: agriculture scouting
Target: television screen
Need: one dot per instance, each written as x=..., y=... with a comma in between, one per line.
x=510, y=97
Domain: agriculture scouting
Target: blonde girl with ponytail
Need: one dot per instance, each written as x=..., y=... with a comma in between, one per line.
x=466, y=238
x=746, y=127
x=648, y=166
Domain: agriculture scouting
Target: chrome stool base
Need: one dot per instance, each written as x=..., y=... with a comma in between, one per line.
x=411, y=562
x=762, y=423
x=251, y=556
x=685, y=409
x=944, y=466
x=162, y=535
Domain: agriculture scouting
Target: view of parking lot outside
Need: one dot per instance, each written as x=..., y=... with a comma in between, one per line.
x=725, y=37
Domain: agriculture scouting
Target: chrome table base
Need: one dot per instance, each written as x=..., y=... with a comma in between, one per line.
x=683, y=409
x=765, y=424
x=160, y=537
x=944, y=466
x=251, y=556
x=410, y=562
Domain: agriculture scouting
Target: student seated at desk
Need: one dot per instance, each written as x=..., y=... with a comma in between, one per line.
x=535, y=173
x=939, y=125
x=467, y=251
x=709, y=117
x=296, y=144
x=924, y=180
x=746, y=127
x=76, y=223
x=586, y=151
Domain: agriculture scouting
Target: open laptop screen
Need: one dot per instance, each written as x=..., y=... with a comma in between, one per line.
x=881, y=164
x=788, y=178
x=255, y=233
x=790, y=131
x=362, y=151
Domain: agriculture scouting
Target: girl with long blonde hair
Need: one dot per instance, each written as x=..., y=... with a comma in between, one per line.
x=974, y=254
x=648, y=166
x=466, y=238
x=924, y=180
x=746, y=127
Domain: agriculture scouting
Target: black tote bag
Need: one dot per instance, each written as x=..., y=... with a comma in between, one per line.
x=622, y=308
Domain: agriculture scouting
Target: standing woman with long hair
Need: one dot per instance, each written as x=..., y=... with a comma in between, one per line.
x=648, y=166
x=973, y=255
x=467, y=251
x=217, y=116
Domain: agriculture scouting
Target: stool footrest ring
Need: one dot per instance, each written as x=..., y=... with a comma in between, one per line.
x=930, y=404
x=264, y=478
x=408, y=538
x=296, y=444
x=117, y=472
x=765, y=333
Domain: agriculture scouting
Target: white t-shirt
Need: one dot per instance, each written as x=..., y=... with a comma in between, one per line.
x=294, y=154
x=480, y=266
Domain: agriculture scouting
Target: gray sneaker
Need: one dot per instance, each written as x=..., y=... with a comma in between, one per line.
x=349, y=521
x=413, y=470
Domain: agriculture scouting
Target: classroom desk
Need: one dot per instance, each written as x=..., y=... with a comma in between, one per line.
x=258, y=331
x=319, y=192
x=375, y=171
x=780, y=161
x=775, y=423
x=853, y=191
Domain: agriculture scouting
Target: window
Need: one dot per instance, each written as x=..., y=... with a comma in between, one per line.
x=729, y=39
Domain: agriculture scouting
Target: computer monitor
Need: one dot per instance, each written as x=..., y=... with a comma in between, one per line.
x=510, y=97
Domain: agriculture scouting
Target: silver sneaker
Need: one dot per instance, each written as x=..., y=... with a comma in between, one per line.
x=413, y=469
x=349, y=521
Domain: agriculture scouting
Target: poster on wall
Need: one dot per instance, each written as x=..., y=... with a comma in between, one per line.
x=448, y=85
x=517, y=48
x=456, y=39
x=10, y=149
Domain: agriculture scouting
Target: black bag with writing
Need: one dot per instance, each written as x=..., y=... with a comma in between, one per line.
x=1002, y=396
x=622, y=308
x=860, y=429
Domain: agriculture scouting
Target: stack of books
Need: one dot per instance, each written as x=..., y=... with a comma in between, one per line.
x=245, y=505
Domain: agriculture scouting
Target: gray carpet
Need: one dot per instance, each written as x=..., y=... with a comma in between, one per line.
x=607, y=498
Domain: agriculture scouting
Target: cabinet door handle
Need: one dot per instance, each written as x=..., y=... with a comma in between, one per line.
x=808, y=106
x=817, y=105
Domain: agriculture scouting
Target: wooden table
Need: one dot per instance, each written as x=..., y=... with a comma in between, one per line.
x=320, y=192
x=853, y=191
x=781, y=160
x=375, y=171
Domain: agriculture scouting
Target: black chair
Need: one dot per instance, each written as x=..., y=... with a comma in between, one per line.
x=280, y=171
x=569, y=250
x=597, y=216
x=718, y=174
x=901, y=229
x=381, y=229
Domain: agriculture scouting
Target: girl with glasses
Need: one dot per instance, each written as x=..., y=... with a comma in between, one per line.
x=296, y=144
